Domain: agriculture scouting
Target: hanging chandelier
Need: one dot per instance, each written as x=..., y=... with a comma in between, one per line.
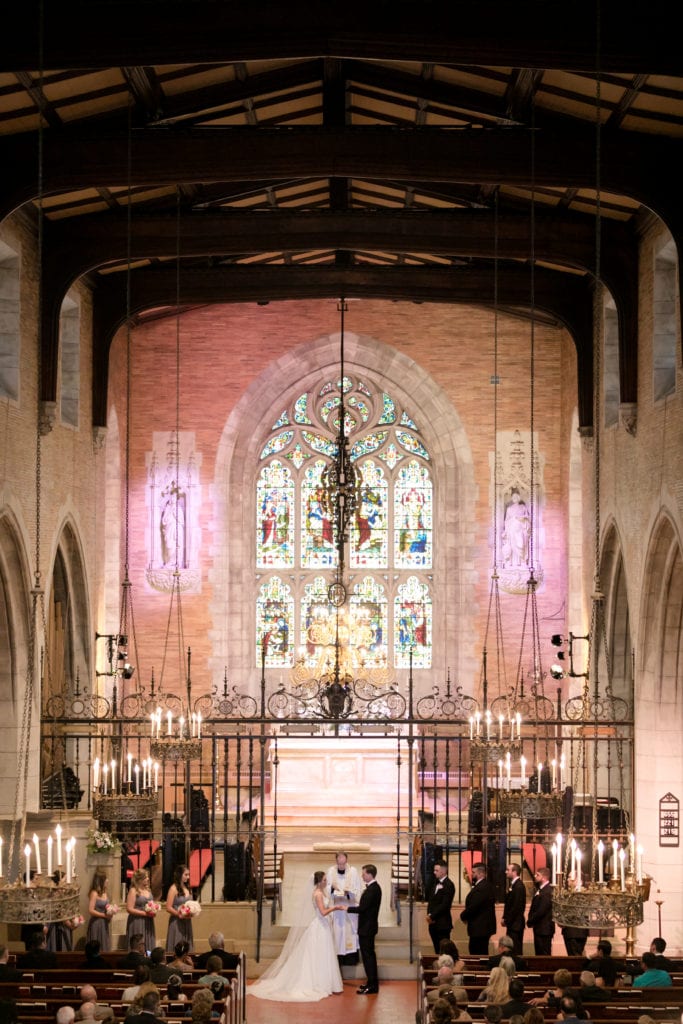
x=340, y=481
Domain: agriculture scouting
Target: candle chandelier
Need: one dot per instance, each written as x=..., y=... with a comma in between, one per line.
x=598, y=885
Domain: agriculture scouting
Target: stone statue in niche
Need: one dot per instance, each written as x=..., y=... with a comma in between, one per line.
x=516, y=532
x=172, y=526
x=173, y=495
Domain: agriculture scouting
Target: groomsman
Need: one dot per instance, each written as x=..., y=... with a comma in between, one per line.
x=441, y=896
x=368, y=924
x=480, y=911
x=541, y=914
x=514, y=907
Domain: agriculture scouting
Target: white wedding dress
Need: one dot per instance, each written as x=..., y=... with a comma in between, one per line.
x=307, y=968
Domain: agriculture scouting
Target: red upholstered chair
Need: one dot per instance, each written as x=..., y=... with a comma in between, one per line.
x=470, y=857
x=534, y=856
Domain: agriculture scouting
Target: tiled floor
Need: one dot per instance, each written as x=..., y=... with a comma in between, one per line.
x=395, y=1003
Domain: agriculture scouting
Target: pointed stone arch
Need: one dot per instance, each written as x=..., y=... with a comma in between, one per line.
x=234, y=511
x=617, y=614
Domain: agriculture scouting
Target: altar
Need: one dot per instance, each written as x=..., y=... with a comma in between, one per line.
x=348, y=782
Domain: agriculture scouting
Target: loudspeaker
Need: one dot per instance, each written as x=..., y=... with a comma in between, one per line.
x=235, y=873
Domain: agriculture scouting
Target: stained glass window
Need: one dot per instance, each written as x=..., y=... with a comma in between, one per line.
x=369, y=546
x=274, y=619
x=413, y=624
x=390, y=538
x=274, y=520
x=413, y=517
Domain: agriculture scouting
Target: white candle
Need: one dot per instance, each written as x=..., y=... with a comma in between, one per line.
x=73, y=855
x=615, y=854
x=49, y=855
x=477, y=719
x=519, y=725
x=181, y=729
x=96, y=773
x=471, y=728
x=169, y=719
x=199, y=725
x=559, y=839
x=58, y=832
x=27, y=854
x=632, y=852
x=553, y=765
x=622, y=858
x=553, y=851
x=508, y=768
x=137, y=779
x=572, y=859
x=156, y=777
x=540, y=769
x=68, y=862
x=579, y=857
x=105, y=770
x=639, y=866
x=601, y=861
x=500, y=728
x=562, y=772
x=500, y=774
x=152, y=720
x=36, y=847
x=113, y=776
x=522, y=762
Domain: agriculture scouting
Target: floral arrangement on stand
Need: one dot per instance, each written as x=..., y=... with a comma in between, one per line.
x=102, y=842
x=152, y=908
x=190, y=908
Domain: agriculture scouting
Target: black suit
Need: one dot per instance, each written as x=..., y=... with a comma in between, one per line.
x=38, y=958
x=513, y=914
x=441, y=896
x=541, y=920
x=480, y=915
x=368, y=924
x=229, y=960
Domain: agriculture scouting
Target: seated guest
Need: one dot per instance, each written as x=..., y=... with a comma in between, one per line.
x=38, y=956
x=458, y=1011
x=8, y=971
x=137, y=1006
x=8, y=1011
x=570, y=1010
x=652, y=976
x=562, y=980
x=441, y=1012
x=141, y=976
x=588, y=990
x=216, y=942
x=447, y=948
x=603, y=966
x=504, y=947
x=445, y=979
x=516, y=1003
x=497, y=990
x=149, y=1011
x=160, y=971
x=657, y=947
x=493, y=1013
x=94, y=960
x=508, y=965
x=136, y=952
x=100, y=1011
x=182, y=960
x=214, y=979
x=201, y=1010
x=65, y=1015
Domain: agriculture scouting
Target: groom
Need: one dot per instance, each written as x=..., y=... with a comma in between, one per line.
x=368, y=915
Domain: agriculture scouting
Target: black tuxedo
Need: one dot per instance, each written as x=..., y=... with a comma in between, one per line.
x=368, y=925
x=441, y=896
x=480, y=915
x=513, y=914
x=541, y=920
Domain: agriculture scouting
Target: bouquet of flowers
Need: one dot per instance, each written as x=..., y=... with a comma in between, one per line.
x=76, y=920
x=111, y=909
x=190, y=908
x=102, y=842
x=152, y=908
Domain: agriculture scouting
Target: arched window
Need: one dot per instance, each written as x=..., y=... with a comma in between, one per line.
x=388, y=614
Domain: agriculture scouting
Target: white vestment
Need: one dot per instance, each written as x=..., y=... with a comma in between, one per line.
x=344, y=888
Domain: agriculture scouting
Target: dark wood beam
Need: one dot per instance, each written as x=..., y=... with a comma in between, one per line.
x=570, y=304
x=527, y=34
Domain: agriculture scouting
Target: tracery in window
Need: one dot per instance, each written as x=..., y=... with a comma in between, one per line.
x=388, y=612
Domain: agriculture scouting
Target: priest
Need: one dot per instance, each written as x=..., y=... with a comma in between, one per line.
x=344, y=887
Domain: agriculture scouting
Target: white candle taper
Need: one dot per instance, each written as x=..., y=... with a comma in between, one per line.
x=49, y=854
x=36, y=847
x=27, y=854
x=129, y=758
x=622, y=858
x=579, y=857
x=540, y=769
x=58, y=832
x=137, y=779
x=601, y=861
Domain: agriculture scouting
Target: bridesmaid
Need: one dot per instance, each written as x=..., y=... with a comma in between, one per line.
x=59, y=935
x=140, y=894
x=180, y=928
x=98, y=924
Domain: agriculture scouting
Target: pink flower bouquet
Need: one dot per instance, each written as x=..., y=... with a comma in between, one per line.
x=189, y=909
x=152, y=908
x=77, y=920
x=111, y=909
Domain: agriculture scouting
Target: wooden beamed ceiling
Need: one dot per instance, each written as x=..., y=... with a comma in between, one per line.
x=403, y=151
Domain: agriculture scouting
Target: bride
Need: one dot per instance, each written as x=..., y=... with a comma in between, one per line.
x=307, y=968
